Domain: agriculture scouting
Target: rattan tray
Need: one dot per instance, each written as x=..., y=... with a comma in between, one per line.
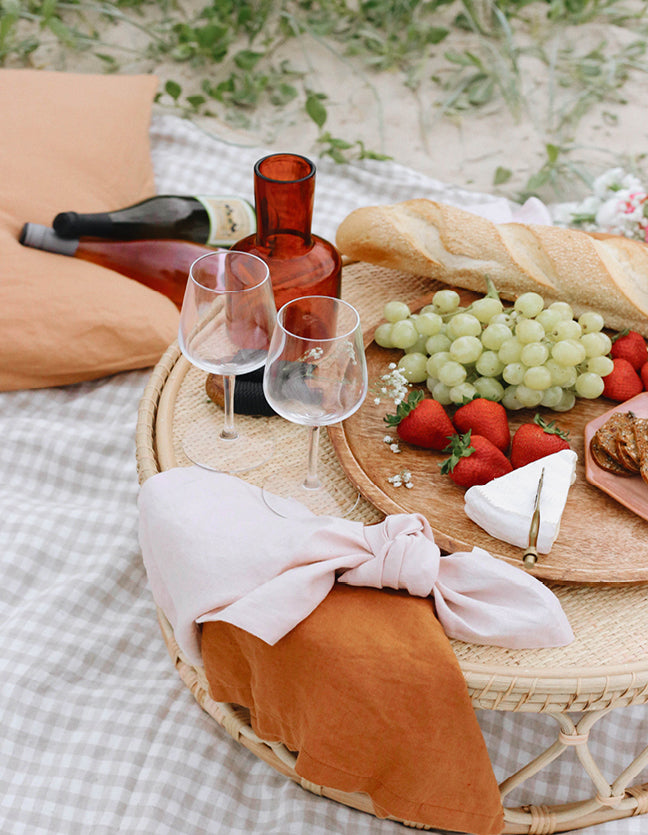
x=604, y=668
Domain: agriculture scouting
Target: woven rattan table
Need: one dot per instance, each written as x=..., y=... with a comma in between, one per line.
x=605, y=668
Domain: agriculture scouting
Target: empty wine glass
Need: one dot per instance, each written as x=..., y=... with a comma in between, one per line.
x=227, y=318
x=315, y=375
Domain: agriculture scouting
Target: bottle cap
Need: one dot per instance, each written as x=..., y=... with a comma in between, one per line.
x=43, y=237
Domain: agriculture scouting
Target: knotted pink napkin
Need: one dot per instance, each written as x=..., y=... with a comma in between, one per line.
x=213, y=550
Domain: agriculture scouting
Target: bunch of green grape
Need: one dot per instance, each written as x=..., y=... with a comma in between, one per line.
x=523, y=356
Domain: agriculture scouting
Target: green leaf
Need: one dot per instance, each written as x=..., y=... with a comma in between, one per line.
x=316, y=109
x=553, y=152
x=246, y=59
x=502, y=175
x=173, y=89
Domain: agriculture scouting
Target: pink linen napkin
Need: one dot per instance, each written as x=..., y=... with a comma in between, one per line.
x=214, y=551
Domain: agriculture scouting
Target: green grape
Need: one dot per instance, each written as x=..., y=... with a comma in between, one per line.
x=600, y=365
x=435, y=362
x=565, y=329
x=510, y=350
x=382, y=335
x=463, y=324
x=436, y=343
x=441, y=392
x=561, y=375
x=489, y=364
x=529, y=304
x=445, y=301
x=463, y=392
x=596, y=344
x=431, y=382
x=563, y=310
x=567, y=401
x=396, y=311
x=452, y=373
x=466, y=349
x=591, y=322
x=537, y=378
x=513, y=373
x=551, y=396
x=489, y=387
x=589, y=385
x=534, y=353
x=413, y=367
x=404, y=334
x=484, y=309
x=568, y=352
x=504, y=318
x=528, y=397
x=427, y=324
x=529, y=330
x=509, y=399
x=494, y=335
x=418, y=347
x=548, y=319
x=429, y=308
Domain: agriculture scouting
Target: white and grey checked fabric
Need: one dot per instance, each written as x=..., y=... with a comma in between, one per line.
x=98, y=733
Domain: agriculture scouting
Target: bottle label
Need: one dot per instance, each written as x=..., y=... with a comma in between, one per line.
x=230, y=219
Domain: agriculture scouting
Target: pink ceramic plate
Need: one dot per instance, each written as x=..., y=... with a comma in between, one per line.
x=630, y=491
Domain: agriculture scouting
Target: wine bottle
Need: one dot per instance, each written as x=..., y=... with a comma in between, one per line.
x=301, y=263
x=162, y=265
x=215, y=221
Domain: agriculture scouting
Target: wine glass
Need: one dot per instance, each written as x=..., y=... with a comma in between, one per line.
x=315, y=375
x=227, y=318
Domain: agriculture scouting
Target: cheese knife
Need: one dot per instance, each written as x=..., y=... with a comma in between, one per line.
x=531, y=554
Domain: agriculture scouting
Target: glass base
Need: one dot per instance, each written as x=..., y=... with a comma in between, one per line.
x=286, y=495
x=204, y=446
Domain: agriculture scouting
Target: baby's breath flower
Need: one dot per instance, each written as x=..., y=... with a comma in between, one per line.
x=392, y=386
x=404, y=478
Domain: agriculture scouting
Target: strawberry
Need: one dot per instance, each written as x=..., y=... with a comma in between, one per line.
x=622, y=382
x=632, y=347
x=484, y=417
x=422, y=422
x=643, y=373
x=535, y=440
x=474, y=460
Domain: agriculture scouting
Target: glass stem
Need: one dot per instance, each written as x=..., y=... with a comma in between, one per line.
x=229, y=432
x=312, y=482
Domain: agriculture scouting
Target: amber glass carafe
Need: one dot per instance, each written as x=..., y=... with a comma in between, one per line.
x=301, y=264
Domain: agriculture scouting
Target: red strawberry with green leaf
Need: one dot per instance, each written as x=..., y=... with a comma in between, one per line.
x=474, y=460
x=484, y=417
x=421, y=421
x=535, y=440
x=631, y=346
x=622, y=382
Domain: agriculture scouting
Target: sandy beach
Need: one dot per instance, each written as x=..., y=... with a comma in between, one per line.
x=548, y=74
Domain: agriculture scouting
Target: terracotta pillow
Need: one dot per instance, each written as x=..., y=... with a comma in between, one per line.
x=79, y=142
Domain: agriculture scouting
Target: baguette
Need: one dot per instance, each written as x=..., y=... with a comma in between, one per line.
x=604, y=273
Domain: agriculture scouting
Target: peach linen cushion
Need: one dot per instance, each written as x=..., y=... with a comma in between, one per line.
x=72, y=141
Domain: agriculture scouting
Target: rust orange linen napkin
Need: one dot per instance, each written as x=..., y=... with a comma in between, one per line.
x=369, y=692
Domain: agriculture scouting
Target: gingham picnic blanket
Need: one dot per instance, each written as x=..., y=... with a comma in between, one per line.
x=99, y=734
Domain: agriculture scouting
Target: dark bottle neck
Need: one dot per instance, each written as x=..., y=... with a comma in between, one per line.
x=284, y=191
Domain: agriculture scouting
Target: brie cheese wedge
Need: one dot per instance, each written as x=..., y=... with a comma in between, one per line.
x=503, y=507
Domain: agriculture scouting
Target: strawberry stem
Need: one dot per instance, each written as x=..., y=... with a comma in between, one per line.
x=459, y=447
x=551, y=428
x=404, y=408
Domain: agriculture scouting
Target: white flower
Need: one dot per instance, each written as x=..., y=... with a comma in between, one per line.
x=608, y=182
x=607, y=214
